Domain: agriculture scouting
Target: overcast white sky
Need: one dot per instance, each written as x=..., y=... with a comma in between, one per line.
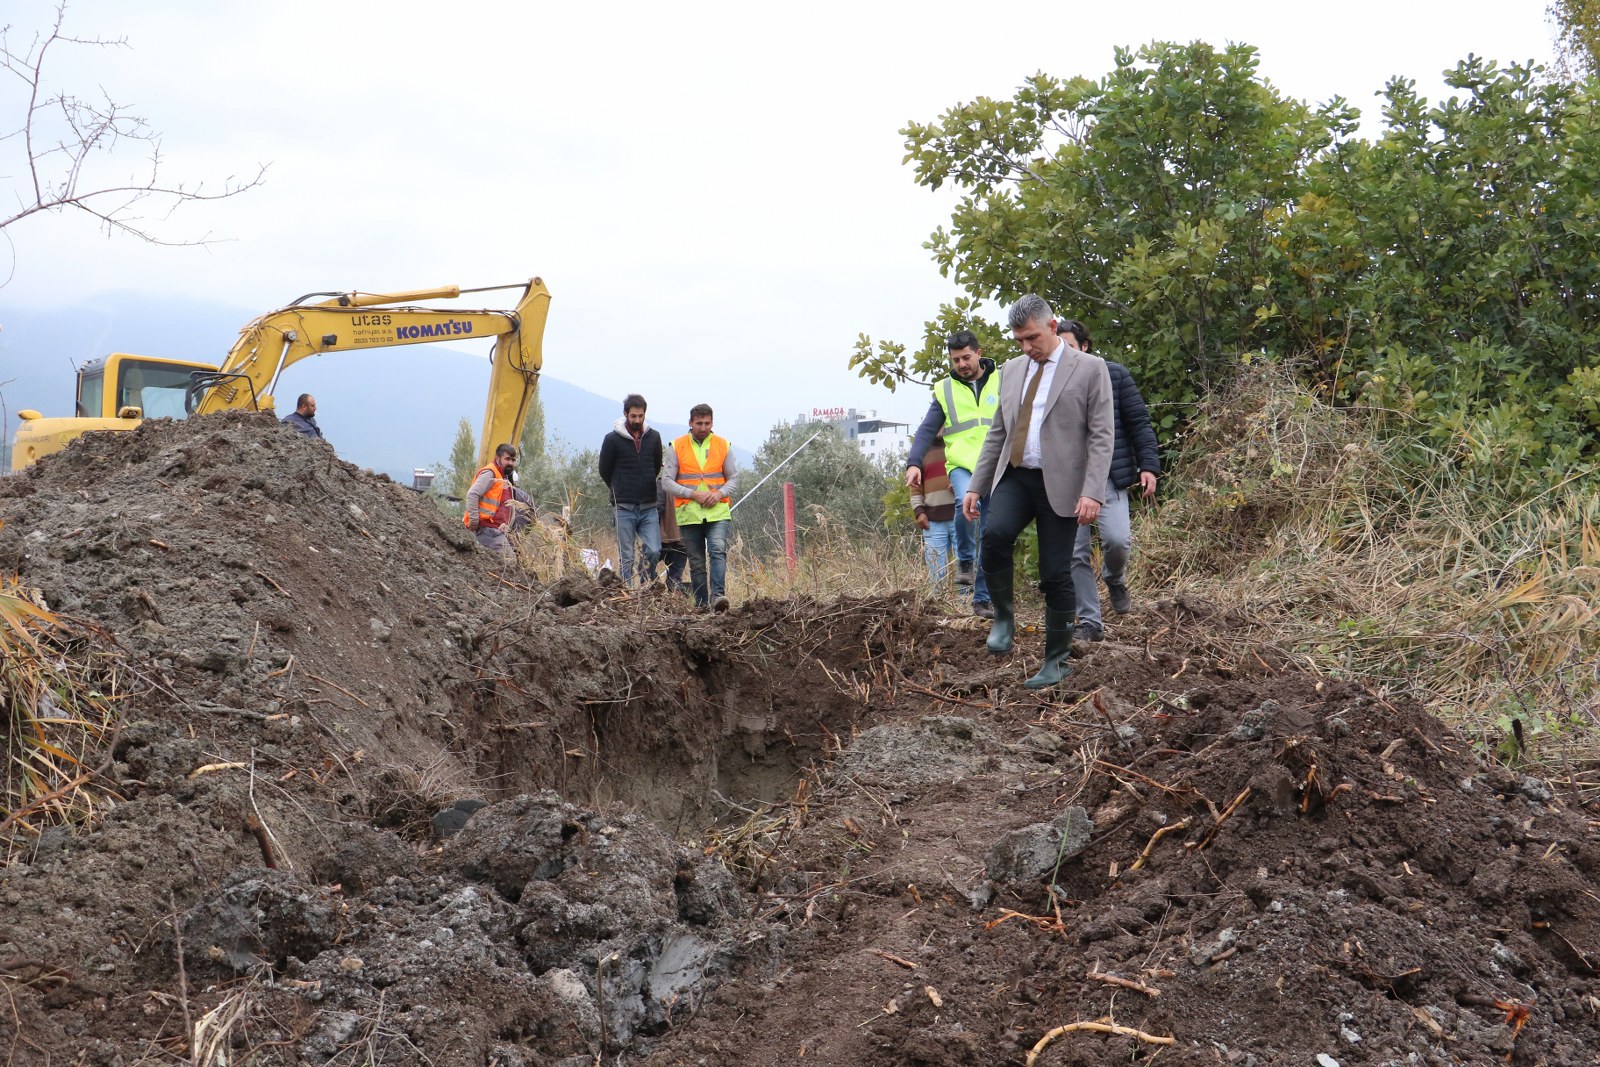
x=714, y=193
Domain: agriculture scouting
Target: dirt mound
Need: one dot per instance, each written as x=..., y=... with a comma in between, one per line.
x=383, y=800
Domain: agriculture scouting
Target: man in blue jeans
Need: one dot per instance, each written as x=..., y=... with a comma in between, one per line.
x=1135, y=462
x=699, y=474
x=962, y=410
x=630, y=463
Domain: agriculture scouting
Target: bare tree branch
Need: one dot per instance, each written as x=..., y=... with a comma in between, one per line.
x=62, y=134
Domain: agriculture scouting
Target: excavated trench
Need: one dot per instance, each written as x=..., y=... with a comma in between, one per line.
x=683, y=719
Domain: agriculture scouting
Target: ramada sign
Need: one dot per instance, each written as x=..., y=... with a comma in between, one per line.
x=827, y=413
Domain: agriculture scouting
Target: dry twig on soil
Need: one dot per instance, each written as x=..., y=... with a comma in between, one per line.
x=340, y=688
x=892, y=958
x=1223, y=817
x=1157, y=836
x=1098, y=1027
x=1125, y=983
x=946, y=697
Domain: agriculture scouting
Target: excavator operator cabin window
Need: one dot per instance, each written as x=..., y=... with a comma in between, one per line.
x=155, y=388
x=91, y=388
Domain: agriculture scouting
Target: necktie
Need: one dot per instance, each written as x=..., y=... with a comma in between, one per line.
x=1019, y=436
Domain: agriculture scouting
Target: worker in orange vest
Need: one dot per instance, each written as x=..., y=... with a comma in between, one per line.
x=494, y=502
x=698, y=472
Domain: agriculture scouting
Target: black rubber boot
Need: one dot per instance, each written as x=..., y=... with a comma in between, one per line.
x=1057, y=646
x=1004, y=627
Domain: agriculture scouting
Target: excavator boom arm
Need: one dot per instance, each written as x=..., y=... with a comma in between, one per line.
x=358, y=321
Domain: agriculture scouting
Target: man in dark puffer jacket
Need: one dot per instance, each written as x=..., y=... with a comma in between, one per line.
x=1136, y=462
x=630, y=462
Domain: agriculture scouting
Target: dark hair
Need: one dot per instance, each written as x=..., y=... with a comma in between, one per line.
x=1075, y=328
x=634, y=400
x=298, y=404
x=699, y=410
x=504, y=450
x=961, y=339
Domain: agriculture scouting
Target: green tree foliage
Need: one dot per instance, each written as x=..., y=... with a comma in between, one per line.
x=1577, y=24
x=1194, y=218
x=560, y=478
x=530, y=446
x=835, y=487
x=455, y=478
x=1446, y=271
x=1142, y=203
x=887, y=363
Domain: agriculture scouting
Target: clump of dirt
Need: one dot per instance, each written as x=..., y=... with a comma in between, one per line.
x=383, y=798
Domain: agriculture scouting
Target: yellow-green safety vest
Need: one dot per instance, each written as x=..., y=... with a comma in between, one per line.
x=966, y=419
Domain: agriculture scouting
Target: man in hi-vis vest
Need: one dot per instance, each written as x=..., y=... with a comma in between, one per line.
x=963, y=407
x=698, y=471
x=495, y=506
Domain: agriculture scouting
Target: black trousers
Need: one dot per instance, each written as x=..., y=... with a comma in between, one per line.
x=676, y=559
x=1019, y=499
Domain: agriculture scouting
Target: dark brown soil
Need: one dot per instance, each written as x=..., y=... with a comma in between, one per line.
x=379, y=798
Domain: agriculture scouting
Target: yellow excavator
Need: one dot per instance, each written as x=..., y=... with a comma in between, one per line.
x=121, y=390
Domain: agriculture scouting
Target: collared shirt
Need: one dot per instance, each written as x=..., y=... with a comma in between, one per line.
x=1031, y=450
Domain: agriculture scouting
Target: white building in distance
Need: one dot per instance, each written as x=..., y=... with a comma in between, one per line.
x=875, y=437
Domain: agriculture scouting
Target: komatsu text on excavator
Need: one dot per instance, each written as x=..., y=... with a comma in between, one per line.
x=117, y=392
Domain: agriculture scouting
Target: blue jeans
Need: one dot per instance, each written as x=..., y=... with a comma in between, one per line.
x=1116, y=542
x=969, y=535
x=707, y=545
x=641, y=522
x=938, y=545
x=1018, y=499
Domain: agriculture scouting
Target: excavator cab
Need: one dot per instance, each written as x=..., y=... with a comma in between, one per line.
x=155, y=386
x=142, y=387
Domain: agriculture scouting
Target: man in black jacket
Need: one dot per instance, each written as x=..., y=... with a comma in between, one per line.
x=1136, y=461
x=303, y=419
x=630, y=462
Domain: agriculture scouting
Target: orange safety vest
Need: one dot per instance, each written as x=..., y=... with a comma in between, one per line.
x=492, y=509
x=689, y=472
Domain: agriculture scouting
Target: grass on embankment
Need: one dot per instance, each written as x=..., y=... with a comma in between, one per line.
x=1373, y=556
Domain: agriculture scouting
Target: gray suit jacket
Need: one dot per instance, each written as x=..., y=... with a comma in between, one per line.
x=1075, y=438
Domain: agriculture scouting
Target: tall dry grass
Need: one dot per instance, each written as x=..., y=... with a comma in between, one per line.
x=1376, y=558
x=61, y=687
x=832, y=562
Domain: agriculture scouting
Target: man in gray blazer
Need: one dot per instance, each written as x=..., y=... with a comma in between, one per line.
x=1046, y=460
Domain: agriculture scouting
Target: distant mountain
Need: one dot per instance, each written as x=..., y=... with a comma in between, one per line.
x=390, y=410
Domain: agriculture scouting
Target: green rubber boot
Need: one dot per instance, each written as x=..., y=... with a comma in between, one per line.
x=1004, y=627
x=1057, y=646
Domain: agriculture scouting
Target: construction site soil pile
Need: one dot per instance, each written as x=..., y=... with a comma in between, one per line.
x=377, y=797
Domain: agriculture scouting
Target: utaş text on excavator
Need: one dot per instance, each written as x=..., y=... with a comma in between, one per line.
x=121, y=390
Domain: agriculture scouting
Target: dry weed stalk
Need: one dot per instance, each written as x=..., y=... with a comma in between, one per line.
x=749, y=847
x=214, y=1031
x=61, y=685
